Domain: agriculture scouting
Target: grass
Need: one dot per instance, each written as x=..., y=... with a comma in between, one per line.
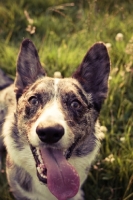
x=64, y=30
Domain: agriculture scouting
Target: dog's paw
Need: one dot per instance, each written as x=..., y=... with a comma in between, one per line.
x=79, y=196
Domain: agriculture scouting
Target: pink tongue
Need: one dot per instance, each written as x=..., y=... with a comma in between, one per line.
x=62, y=178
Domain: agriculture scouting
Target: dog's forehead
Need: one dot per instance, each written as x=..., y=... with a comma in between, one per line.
x=43, y=84
x=67, y=84
x=52, y=85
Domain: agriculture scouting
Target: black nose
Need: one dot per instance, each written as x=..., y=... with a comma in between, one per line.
x=50, y=134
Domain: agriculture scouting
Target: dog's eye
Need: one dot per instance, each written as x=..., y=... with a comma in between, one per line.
x=75, y=104
x=33, y=100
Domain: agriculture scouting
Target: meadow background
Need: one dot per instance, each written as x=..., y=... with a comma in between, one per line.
x=63, y=30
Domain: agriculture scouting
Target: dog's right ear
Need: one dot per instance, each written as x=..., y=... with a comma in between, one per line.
x=93, y=73
x=29, y=68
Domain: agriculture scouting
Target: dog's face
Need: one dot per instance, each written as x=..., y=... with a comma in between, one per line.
x=57, y=116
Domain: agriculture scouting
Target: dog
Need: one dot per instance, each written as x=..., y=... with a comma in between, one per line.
x=51, y=131
x=5, y=97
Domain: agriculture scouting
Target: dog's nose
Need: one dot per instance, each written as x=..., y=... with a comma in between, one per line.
x=50, y=134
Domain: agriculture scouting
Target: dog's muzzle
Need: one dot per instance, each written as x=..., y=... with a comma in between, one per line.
x=52, y=164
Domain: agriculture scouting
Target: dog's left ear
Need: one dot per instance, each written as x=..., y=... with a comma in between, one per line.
x=29, y=68
x=93, y=73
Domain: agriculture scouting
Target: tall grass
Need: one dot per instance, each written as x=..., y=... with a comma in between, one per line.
x=63, y=31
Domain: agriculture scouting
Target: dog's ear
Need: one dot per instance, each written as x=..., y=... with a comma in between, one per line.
x=93, y=73
x=29, y=68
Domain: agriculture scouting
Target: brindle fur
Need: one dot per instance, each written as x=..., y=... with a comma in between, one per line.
x=53, y=104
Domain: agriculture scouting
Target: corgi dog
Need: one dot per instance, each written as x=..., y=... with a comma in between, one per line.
x=51, y=131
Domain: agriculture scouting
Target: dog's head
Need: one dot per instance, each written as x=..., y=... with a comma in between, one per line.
x=58, y=116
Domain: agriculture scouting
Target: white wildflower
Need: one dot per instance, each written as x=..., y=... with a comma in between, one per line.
x=102, y=132
x=57, y=74
x=110, y=158
x=31, y=29
x=103, y=129
x=108, y=45
x=110, y=77
x=119, y=37
x=101, y=136
x=122, y=139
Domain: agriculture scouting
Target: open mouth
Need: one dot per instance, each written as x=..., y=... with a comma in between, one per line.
x=54, y=170
x=40, y=166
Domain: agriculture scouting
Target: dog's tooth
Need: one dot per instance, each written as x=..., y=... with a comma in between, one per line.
x=40, y=158
x=39, y=170
x=37, y=151
x=43, y=176
x=42, y=165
